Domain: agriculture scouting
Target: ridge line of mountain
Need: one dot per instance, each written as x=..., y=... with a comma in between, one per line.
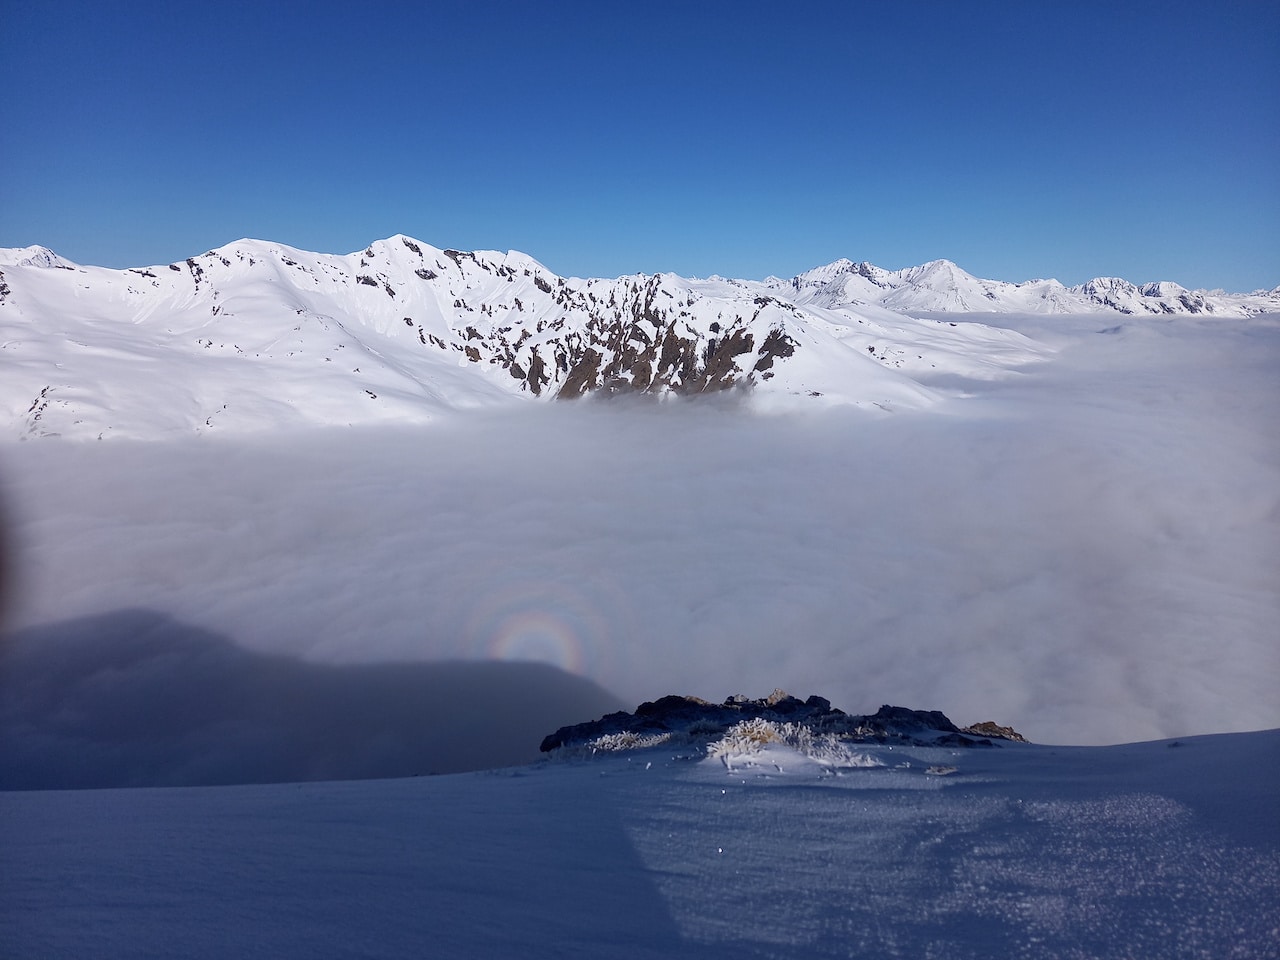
x=38, y=255
x=257, y=335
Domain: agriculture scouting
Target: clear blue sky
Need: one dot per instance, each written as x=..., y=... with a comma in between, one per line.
x=1020, y=139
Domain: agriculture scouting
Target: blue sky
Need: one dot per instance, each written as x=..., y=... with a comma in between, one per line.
x=1019, y=139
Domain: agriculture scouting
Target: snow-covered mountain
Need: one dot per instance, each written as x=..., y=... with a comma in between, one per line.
x=256, y=334
x=942, y=287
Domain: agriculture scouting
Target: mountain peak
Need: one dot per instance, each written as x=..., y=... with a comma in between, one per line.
x=33, y=256
x=933, y=270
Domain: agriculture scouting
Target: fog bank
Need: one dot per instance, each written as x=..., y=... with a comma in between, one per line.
x=1089, y=551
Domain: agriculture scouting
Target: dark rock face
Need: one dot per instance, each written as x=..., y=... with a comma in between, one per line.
x=693, y=715
x=989, y=728
x=777, y=344
x=631, y=335
x=622, y=356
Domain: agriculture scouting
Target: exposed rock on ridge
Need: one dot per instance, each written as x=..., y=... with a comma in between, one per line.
x=694, y=717
x=258, y=335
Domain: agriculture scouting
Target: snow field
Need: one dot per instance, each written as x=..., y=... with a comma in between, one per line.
x=1142, y=850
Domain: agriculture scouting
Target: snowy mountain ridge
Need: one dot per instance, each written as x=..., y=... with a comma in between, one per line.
x=257, y=334
x=941, y=286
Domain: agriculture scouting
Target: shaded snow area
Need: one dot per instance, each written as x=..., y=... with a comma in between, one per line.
x=1167, y=849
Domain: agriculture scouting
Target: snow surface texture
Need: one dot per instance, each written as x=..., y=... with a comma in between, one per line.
x=1167, y=850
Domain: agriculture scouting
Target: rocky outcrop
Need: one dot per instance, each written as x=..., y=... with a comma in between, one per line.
x=695, y=717
x=989, y=728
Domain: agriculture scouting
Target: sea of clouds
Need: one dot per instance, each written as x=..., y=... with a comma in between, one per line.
x=1089, y=551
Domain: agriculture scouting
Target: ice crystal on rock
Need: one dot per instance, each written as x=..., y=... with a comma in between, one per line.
x=748, y=738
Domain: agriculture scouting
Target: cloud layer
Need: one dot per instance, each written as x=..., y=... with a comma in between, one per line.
x=1090, y=551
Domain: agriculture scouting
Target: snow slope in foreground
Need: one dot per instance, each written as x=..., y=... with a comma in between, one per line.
x=1163, y=849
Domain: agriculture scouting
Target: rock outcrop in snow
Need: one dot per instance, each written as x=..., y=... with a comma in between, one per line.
x=691, y=720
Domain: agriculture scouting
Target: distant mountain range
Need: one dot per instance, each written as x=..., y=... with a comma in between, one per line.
x=256, y=335
x=942, y=287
